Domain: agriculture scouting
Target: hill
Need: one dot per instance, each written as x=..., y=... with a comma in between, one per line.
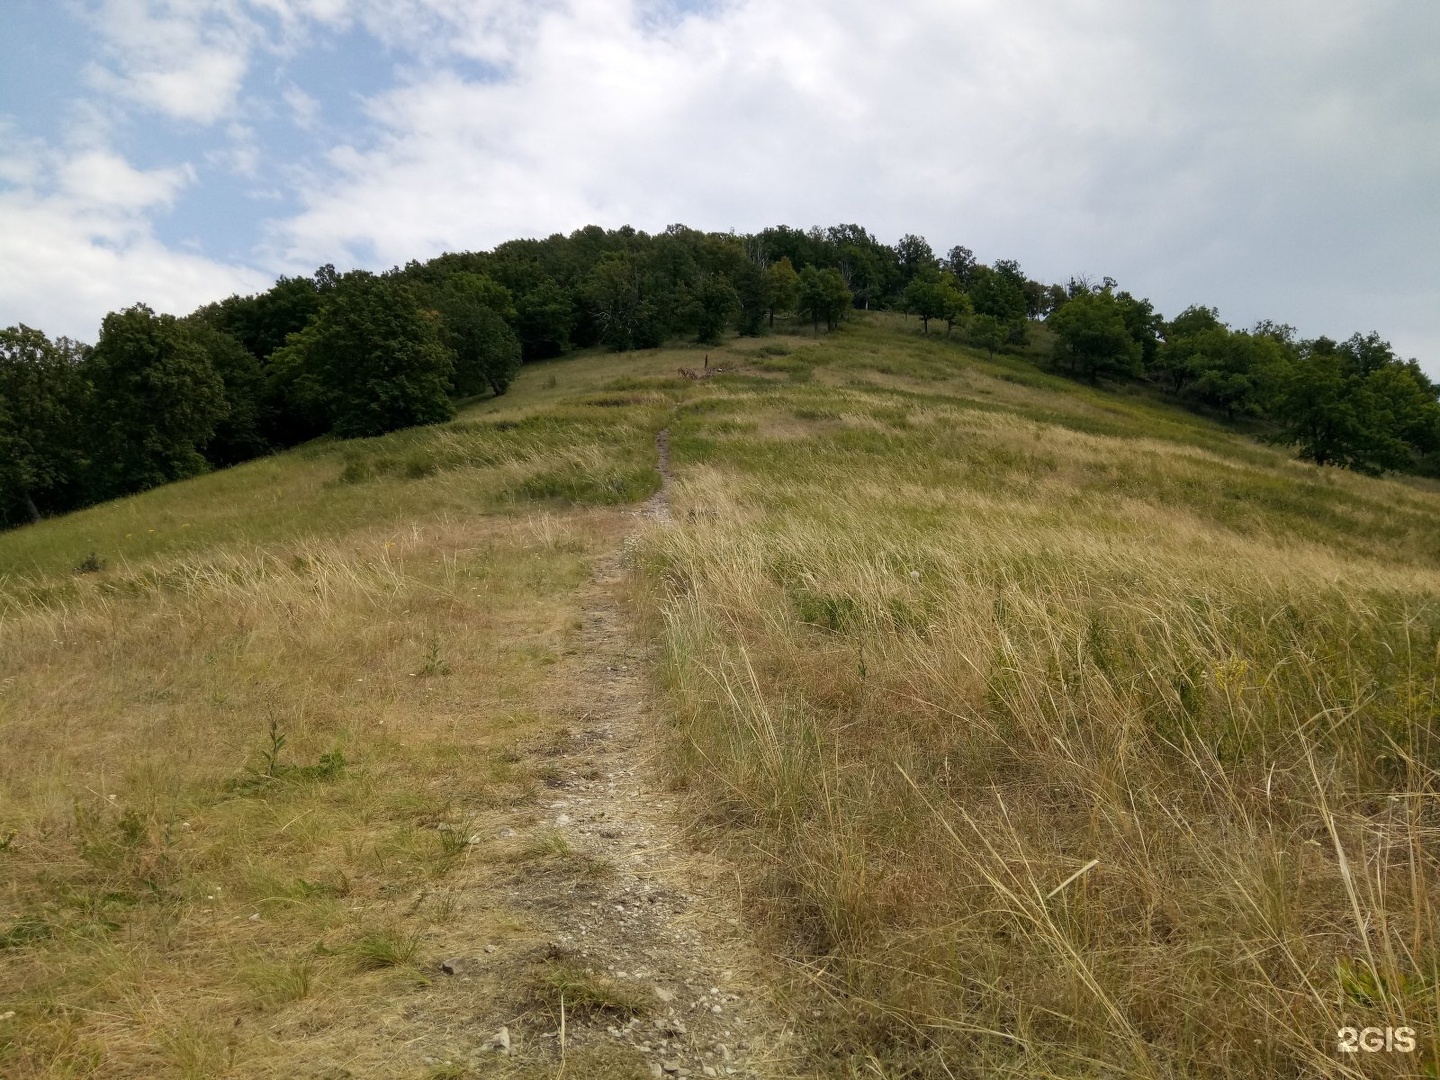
x=1039, y=730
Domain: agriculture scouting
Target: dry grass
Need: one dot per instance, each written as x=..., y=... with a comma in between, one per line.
x=261, y=782
x=1063, y=734
x=1058, y=752
x=256, y=764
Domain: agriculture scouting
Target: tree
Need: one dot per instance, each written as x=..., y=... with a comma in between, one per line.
x=960, y=262
x=545, y=319
x=986, y=332
x=926, y=297
x=868, y=266
x=1145, y=325
x=752, y=289
x=371, y=362
x=956, y=308
x=42, y=400
x=613, y=290
x=241, y=433
x=1357, y=406
x=823, y=295
x=157, y=400
x=1233, y=371
x=915, y=257
x=1176, y=360
x=1092, y=339
x=487, y=352
x=784, y=287
x=712, y=300
x=997, y=294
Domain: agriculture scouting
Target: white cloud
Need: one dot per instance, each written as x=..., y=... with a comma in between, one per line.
x=76, y=241
x=99, y=178
x=186, y=59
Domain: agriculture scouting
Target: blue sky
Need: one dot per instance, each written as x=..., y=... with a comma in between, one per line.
x=1277, y=158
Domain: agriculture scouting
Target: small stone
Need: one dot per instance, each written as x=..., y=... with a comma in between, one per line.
x=501, y=1040
x=505, y=834
x=666, y=996
x=716, y=1009
x=489, y=948
x=709, y=1070
x=671, y=1066
x=562, y=819
x=656, y=1071
x=8, y=1014
x=452, y=966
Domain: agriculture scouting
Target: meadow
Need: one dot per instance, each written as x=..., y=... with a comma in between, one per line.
x=1051, y=731
x=1064, y=734
x=261, y=728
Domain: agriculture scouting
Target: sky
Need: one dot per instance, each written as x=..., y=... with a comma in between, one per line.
x=1277, y=159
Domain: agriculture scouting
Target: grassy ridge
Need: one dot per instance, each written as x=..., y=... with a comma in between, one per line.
x=1068, y=736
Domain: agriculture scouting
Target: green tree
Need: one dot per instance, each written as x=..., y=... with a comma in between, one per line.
x=753, y=290
x=1092, y=339
x=1229, y=370
x=823, y=295
x=487, y=353
x=1355, y=405
x=545, y=319
x=1176, y=361
x=961, y=262
x=262, y=322
x=926, y=297
x=156, y=402
x=1145, y=324
x=956, y=307
x=915, y=257
x=241, y=433
x=997, y=293
x=371, y=362
x=784, y=288
x=711, y=302
x=42, y=402
x=612, y=289
x=986, y=332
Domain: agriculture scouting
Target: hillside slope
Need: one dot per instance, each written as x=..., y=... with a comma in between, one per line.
x=1045, y=731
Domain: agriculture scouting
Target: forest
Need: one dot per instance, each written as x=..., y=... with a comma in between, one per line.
x=161, y=397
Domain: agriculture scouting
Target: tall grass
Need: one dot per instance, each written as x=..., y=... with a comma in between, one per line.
x=1040, y=779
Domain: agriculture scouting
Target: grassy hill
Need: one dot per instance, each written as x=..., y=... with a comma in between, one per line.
x=1051, y=732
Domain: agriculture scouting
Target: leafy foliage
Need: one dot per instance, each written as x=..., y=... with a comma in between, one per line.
x=157, y=401
x=371, y=362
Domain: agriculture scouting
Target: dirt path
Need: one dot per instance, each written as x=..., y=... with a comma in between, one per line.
x=666, y=923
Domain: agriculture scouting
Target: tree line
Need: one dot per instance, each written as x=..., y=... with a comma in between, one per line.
x=160, y=397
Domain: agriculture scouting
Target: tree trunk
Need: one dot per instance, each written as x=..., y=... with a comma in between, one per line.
x=30, y=507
